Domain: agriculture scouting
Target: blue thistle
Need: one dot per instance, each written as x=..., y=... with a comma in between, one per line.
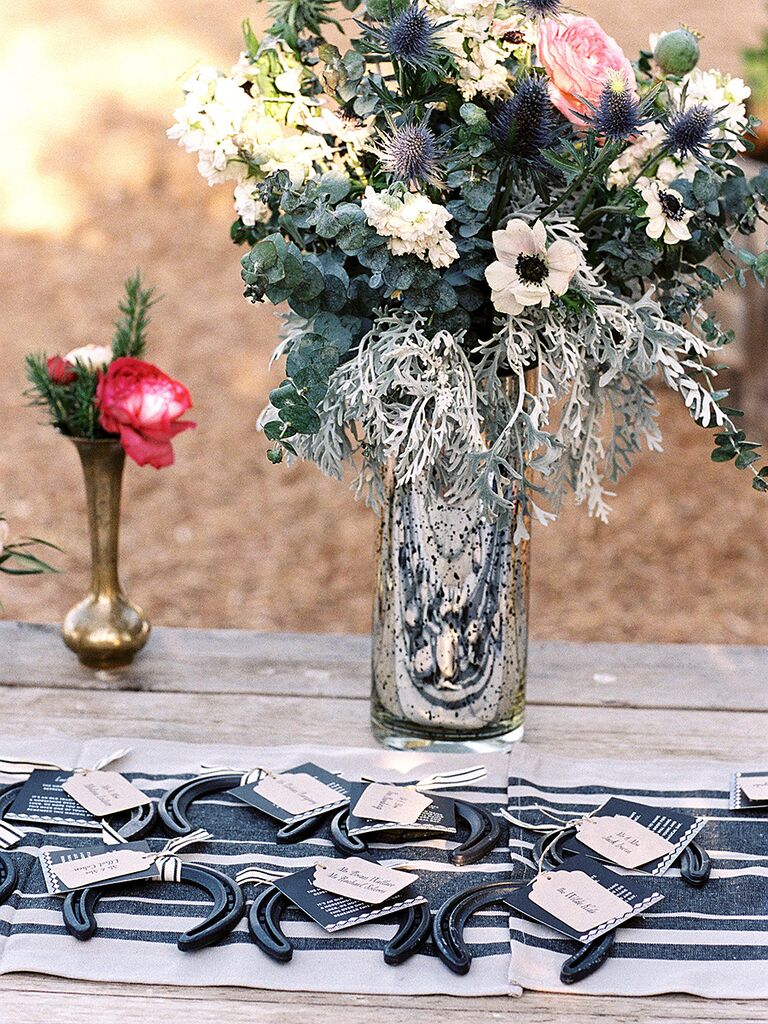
x=410, y=37
x=617, y=115
x=689, y=131
x=412, y=154
x=540, y=8
x=524, y=126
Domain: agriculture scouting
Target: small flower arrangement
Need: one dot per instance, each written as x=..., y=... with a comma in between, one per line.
x=469, y=191
x=107, y=391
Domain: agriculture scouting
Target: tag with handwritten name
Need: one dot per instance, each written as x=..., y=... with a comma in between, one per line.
x=361, y=879
x=334, y=911
x=634, y=835
x=439, y=815
x=400, y=805
x=68, y=870
x=296, y=794
x=583, y=899
x=623, y=840
x=749, y=790
x=103, y=793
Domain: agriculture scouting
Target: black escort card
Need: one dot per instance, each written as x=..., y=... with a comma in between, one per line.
x=68, y=870
x=635, y=836
x=42, y=801
x=749, y=791
x=296, y=794
x=583, y=899
x=439, y=816
x=334, y=912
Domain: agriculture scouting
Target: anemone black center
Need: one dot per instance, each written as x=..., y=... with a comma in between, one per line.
x=671, y=205
x=532, y=269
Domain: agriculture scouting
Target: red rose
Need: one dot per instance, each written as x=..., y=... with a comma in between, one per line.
x=144, y=406
x=60, y=371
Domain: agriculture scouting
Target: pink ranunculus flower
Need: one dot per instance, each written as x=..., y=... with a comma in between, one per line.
x=577, y=55
x=144, y=406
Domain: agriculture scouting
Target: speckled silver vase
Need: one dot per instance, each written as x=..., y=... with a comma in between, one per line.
x=450, y=632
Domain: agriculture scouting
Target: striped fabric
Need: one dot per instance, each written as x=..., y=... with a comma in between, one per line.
x=709, y=942
x=137, y=928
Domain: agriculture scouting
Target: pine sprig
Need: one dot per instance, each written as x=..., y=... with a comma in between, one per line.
x=131, y=328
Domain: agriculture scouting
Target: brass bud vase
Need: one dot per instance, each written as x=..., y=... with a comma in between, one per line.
x=105, y=630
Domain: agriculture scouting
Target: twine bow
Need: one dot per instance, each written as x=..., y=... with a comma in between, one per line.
x=554, y=831
x=167, y=863
x=21, y=770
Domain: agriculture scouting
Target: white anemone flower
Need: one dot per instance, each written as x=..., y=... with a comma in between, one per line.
x=527, y=271
x=667, y=216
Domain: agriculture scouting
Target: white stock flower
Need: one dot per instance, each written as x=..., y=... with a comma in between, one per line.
x=273, y=147
x=94, y=357
x=412, y=224
x=249, y=207
x=667, y=216
x=347, y=130
x=527, y=271
x=207, y=123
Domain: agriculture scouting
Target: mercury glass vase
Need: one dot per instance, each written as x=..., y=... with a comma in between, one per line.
x=105, y=630
x=450, y=631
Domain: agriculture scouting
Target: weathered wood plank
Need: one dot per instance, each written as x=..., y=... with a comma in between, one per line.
x=235, y=661
x=631, y=733
x=37, y=999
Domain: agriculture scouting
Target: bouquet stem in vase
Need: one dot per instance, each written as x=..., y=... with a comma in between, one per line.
x=450, y=633
x=105, y=630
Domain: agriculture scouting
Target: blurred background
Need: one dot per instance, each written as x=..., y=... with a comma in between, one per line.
x=90, y=189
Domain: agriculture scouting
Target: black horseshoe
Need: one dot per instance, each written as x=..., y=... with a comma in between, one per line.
x=9, y=873
x=228, y=908
x=174, y=805
x=270, y=904
x=484, y=833
x=451, y=919
x=694, y=861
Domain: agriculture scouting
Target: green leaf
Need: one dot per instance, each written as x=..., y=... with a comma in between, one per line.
x=746, y=459
x=723, y=455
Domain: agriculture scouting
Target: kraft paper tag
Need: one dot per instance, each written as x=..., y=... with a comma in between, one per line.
x=361, y=879
x=334, y=912
x=638, y=836
x=296, y=794
x=399, y=805
x=623, y=840
x=583, y=899
x=755, y=788
x=577, y=900
x=68, y=870
x=103, y=793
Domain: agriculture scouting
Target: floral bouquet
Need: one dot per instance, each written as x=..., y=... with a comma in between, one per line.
x=492, y=234
x=99, y=392
x=469, y=191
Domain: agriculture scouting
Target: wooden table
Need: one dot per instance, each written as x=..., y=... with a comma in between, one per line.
x=592, y=700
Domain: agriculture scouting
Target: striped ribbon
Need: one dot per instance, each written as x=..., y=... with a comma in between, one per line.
x=168, y=865
x=246, y=778
x=259, y=876
x=9, y=835
x=21, y=769
x=452, y=780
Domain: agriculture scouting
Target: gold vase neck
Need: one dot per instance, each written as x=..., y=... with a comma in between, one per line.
x=103, y=463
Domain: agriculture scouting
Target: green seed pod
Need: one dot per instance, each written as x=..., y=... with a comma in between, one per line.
x=677, y=52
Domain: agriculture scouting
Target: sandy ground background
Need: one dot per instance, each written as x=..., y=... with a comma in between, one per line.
x=90, y=189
